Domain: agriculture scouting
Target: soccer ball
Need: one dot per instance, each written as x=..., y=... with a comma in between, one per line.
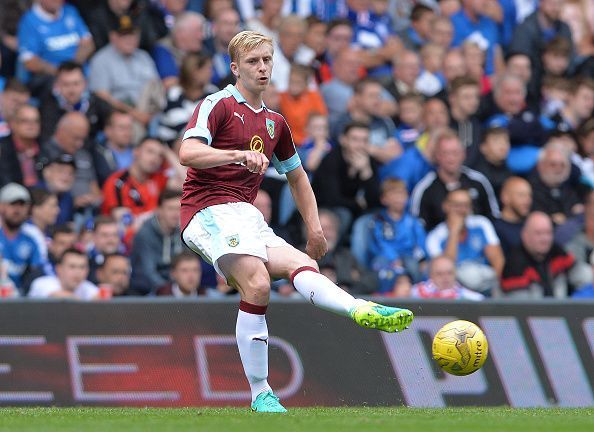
x=460, y=348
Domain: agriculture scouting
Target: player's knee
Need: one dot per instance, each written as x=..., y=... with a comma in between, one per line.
x=259, y=285
x=302, y=261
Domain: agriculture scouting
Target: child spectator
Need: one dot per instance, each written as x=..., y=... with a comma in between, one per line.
x=317, y=144
x=556, y=57
x=431, y=80
x=397, y=243
x=411, y=119
x=299, y=102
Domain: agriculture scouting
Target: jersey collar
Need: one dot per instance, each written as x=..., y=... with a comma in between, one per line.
x=240, y=99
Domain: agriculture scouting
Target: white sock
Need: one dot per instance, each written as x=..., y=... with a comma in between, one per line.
x=322, y=292
x=252, y=340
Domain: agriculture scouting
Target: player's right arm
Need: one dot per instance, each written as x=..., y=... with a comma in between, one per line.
x=196, y=153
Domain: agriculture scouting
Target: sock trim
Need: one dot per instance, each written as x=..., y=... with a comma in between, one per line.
x=252, y=308
x=302, y=269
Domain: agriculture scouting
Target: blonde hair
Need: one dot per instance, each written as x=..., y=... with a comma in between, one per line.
x=246, y=41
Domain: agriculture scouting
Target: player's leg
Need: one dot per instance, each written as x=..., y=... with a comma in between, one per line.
x=290, y=263
x=249, y=276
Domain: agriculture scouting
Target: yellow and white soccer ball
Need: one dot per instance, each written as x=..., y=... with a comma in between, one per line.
x=460, y=348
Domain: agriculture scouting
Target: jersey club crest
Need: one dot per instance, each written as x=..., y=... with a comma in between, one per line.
x=233, y=240
x=270, y=128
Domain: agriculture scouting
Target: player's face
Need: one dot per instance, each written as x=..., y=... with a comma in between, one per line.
x=253, y=69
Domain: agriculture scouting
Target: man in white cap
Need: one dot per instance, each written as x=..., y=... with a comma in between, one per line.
x=17, y=249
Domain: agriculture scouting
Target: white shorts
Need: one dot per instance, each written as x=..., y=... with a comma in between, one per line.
x=232, y=228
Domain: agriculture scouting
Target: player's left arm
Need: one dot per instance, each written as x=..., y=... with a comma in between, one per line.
x=308, y=208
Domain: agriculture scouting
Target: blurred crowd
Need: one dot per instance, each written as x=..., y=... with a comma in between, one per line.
x=450, y=143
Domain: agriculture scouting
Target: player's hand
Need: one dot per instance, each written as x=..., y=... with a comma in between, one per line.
x=256, y=162
x=316, y=246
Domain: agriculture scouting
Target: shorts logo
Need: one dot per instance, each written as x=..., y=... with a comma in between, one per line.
x=257, y=144
x=233, y=240
x=270, y=128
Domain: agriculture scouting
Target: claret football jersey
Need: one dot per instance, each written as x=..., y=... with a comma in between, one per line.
x=225, y=121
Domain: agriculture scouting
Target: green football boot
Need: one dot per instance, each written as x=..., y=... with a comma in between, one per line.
x=267, y=402
x=384, y=318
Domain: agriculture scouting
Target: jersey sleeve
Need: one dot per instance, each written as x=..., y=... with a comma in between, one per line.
x=284, y=156
x=207, y=117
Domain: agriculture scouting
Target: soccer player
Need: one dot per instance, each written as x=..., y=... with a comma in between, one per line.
x=227, y=145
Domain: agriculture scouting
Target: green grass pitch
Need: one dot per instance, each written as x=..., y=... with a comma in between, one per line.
x=298, y=419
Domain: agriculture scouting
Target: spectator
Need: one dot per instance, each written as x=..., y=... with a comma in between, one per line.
x=339, y=265
x=299, y=102
x=553, y=194
x=18, y=249
x=585, y=291
x=69, y=138
x=375, y=35
x=51, y=33
x=442, y=283
x=575, y=14
x=106, y=241
x=519, y=64
x=19, y=150
x=137, y=188
x=115, y=273
x=470, y=241
x=454, y=66
x=474, y=57
x=69, y=94
x=584, y=157
x=431, y=80
x=268, y=21
x=57, y=176
x=157, y=241
x=537, y=30
x=339, y=35
x=317, y=144
x=120, y=71
x=419, y=32
x=406, y=68
x=556, y=58
x=337, y=92
x=516, y=201
x=365, y=107
x=116, y=152
x=44, y=214
x=107, y=14
x=185, y=277
x=315, y=37
x=464, y=99
x=472, y=23
x=347, y=177
x=62, y=237
x=539, y=267
x=410, y=118
x=578, y=108
x=225, y=25
x=441, y=31
x=69, y=281
x=526, y=132
x=12, y=96
x=397, y=241
x=194, y=85
x=431, y=191
x=491, y=162
x=290, y=50
x=185, y=38
x=554, y=94
x=581, y=245
x=435, y=119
